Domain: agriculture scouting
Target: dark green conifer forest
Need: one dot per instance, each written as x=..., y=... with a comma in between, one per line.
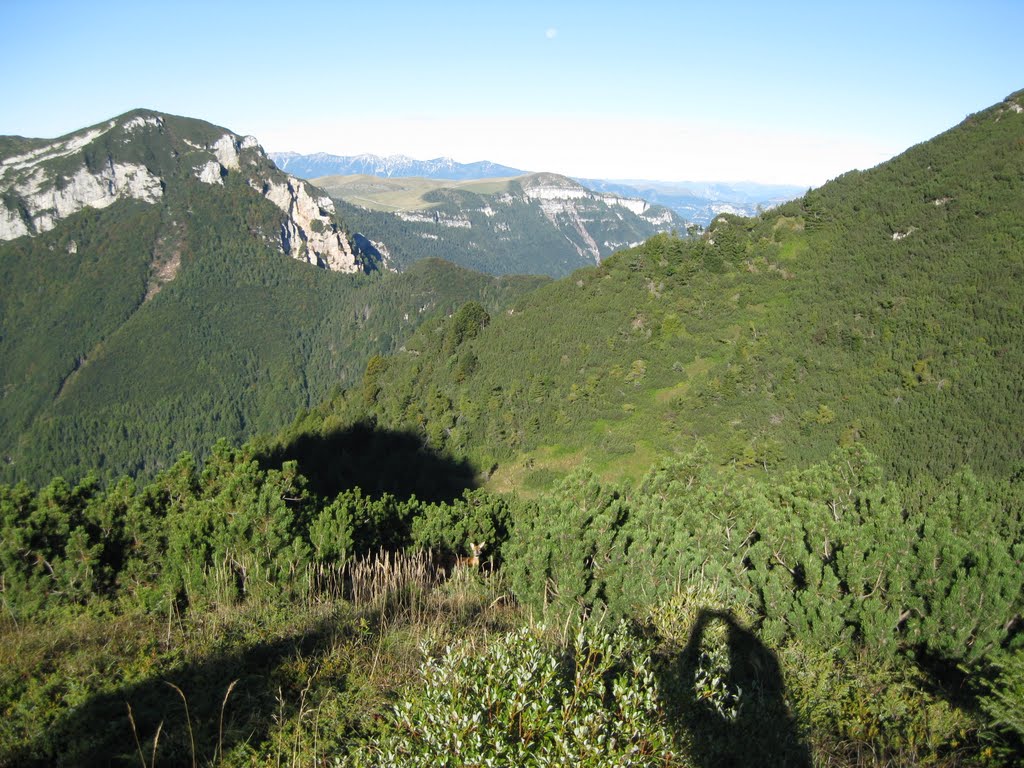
x=104, y=374
x=750, y=498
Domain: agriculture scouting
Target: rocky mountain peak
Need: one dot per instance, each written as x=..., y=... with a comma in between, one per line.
x=137, y=156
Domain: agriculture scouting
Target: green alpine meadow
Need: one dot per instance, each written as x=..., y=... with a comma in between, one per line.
x=282, y=487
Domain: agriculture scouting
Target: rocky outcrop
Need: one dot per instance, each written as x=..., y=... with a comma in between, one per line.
x=140, y=122
x=634, y=204
x=226, y=149
x=438, y=217
x=43, y=201
x=309, y=232
x=11, y=166
x=53, y=180
x=33, y=198
x=546, y=192
x=211, y=173
x=39, y=190
x=661, y=217
x=374, y=249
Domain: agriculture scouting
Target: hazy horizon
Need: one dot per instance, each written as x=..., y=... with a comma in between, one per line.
x=792, y=94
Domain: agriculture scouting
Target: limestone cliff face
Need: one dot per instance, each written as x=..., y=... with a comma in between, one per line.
x=137, y=156
x=36, y=197
x=567, y=204
x=308, y=232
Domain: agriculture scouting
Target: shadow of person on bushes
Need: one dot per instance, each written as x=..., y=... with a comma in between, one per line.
x=727, y=698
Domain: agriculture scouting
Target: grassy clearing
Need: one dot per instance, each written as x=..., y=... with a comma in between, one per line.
x=400, y=194
x=668, y=394
x=628, y=466
x=535, y=471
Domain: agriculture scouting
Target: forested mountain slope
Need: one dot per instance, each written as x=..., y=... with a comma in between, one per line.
x=542, y=223
x=884, y=308
x=149, y=304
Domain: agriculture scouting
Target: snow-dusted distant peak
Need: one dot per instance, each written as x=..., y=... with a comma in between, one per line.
x=319, y=164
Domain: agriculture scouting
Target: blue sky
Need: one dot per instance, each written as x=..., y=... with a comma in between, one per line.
x=773, y=92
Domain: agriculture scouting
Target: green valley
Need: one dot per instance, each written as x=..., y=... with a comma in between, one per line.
x=752, y=496
x=150, y=322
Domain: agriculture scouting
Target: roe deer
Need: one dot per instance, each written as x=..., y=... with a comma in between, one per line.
x=473, y=561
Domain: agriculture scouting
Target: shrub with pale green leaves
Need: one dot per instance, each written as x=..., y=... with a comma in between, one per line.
x=526, y=701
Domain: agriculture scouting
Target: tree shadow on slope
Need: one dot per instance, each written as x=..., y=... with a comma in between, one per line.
x=377, y=461
x=727, y=698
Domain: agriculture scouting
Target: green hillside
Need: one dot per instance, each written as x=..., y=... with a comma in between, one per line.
x=883, y=309
x=147, y=327
x=536, y=224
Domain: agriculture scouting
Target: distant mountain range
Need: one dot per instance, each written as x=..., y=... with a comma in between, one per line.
x=322, y=164
x=695, y=201
x=701, y=201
